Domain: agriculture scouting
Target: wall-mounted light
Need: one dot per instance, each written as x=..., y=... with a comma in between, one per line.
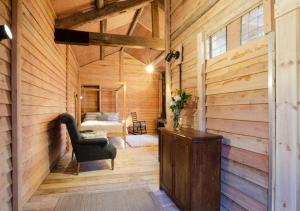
x=81, y=97
x=171, y=55
x=150, y=68
x=5, y=32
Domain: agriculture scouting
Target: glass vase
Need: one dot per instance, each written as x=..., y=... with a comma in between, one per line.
x=177, y=120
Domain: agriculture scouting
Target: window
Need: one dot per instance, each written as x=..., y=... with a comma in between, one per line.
x=218, y=43
x=252, y=25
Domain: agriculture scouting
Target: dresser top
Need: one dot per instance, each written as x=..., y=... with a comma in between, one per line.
x=192, y=134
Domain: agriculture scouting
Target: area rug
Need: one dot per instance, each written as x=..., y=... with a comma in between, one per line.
x=133, y=200
x=142, y=140
x=118, y=142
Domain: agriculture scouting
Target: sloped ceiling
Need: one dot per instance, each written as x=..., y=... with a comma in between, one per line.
x=116, y=25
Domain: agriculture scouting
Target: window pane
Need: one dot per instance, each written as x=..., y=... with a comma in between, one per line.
x=218, y=43
x=252, y=25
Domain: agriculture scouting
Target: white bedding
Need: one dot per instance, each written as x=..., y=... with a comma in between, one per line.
x=108, y=126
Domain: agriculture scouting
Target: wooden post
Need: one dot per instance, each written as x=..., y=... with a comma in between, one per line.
x=269, y=16
x=100, y=98
x=16, y=104
x=155, y=19
x=103, y=23
x=272, y=118
x=121, y=66
x=116, y=101
x=79, y=102
x=287, y=193
x=168, y=66
x=201, y=69
x=124, y=113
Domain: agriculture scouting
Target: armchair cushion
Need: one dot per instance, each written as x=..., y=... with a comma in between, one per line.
x=98, y=141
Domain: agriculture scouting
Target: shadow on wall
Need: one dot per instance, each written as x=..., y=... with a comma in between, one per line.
x=57, y=139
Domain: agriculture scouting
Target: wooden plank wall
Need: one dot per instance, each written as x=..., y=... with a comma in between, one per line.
x=237, y=97
x=44, y=94
x=5, y=112
x=237, y=108
x=142, y=88
x=142, y=92
x=287, y=106
x=72, y=81
x=223, y=12
x=108, y=101
x=90, y=101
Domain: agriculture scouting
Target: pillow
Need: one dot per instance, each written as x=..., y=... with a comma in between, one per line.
x=94, y=135
x=112, y=116
x=92, y=115
x=102, y=117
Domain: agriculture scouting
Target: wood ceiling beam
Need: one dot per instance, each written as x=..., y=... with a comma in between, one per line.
x=100, y=3
x=72, y=37
x=134, y=22
x=107, y=11
x=159, y=59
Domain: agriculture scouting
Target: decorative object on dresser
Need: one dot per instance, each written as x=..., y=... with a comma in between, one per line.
x=190, y=163
x=138, y=126
x=177, y=104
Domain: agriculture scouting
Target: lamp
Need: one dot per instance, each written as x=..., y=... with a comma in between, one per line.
x=150, y=68
x=171, y=55
x=5, y=32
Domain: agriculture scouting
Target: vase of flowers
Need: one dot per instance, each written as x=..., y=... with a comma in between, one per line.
x=178, y=102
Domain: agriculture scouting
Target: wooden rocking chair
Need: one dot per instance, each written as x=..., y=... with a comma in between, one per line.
x=138, y=127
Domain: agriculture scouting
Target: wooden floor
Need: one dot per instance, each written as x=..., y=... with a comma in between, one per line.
x=134, y=167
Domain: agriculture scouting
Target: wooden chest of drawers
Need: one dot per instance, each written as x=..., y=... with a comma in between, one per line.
x=190, y=164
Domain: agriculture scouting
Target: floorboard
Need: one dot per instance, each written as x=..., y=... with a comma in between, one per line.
x=134, y=167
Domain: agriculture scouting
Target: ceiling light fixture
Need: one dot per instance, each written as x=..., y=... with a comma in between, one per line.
x=5, y=32
x=150, y=68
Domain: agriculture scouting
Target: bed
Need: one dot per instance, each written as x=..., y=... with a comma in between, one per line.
x=104, y=121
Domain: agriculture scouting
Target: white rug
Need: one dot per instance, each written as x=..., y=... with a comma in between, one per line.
x=142, y=140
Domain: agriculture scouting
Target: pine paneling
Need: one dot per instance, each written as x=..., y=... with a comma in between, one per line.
x=241, y=73
x=108, y=101
x=5, y=112
x=90, y=101
x=236, y=97
x=72, y=82
x=142, y=88
x=45, y=94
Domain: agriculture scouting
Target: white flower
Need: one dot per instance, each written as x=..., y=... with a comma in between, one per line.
x=172, y=103
x=177, y=98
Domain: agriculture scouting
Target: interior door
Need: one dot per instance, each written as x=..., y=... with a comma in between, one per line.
x=181, y=173
x=167, y=162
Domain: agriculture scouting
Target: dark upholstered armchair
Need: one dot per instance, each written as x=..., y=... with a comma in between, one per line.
x=87, y=150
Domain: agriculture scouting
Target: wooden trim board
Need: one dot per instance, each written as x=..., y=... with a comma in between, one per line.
x=16, y=104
